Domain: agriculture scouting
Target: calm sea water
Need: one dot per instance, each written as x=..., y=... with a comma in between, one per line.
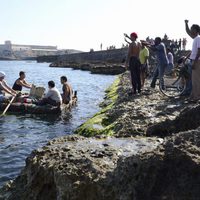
x=20, y=134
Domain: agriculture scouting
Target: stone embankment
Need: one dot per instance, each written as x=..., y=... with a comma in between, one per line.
x=94, y=68
x=117, y=160
x=98, y=62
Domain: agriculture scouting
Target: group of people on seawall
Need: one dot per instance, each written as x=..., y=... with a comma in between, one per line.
x=138, y=55
x=52, y=97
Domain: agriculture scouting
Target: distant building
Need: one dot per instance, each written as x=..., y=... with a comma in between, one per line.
x=17, y=51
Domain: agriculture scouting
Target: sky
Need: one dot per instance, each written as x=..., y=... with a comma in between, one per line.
x=86, y=24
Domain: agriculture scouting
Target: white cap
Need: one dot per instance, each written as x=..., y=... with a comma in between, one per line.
x=2, y=74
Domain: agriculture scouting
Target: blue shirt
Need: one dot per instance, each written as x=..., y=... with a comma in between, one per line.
x=161, y=54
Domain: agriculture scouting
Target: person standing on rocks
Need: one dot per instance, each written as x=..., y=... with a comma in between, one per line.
x=162, y=61
x=171, y=61
x=144, y=55
x=194, y=32
x=134, y=63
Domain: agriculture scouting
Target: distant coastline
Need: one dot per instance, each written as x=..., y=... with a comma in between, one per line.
x=14, y=59
x=10, y=51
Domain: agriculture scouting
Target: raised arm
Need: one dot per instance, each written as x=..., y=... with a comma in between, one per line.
x=127, y=41
x=126, y=36
x=188, y=31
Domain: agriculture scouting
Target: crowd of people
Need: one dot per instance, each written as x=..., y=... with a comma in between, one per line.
x=52, y=97
x=138, y=55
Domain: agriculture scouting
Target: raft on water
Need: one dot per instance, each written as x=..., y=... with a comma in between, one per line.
x=29, y=108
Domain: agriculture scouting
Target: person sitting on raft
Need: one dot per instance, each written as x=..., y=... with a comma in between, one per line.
x=4, y=88
x=21, y=82
x=67, y=90
x=52, y=97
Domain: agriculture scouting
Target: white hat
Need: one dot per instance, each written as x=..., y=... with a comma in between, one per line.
x=2, y=74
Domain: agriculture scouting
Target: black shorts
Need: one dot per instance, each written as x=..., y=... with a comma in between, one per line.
x=144, y=68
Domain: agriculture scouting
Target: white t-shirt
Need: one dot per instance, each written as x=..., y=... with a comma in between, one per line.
x=54, y=94
x=170, y=58
x=195, y=47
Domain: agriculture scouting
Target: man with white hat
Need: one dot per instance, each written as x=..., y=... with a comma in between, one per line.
x=4, y=88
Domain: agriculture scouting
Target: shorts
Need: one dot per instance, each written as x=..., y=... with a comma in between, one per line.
x=144, y=68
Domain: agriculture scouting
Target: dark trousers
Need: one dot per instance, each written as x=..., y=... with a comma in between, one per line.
x=49, y=101
x=135, y=69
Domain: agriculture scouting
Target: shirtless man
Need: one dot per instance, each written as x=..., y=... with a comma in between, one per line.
x=21, y=82
x=134, y=63
x=67, y=90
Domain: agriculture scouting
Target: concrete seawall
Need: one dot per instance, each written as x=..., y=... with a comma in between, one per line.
x=111, y=56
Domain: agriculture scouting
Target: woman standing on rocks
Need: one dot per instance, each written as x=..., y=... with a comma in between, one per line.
x=134, y=63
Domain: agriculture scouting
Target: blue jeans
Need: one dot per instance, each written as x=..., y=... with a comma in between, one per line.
x=158, y=72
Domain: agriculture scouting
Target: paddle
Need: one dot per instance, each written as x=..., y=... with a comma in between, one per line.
x=8, y=105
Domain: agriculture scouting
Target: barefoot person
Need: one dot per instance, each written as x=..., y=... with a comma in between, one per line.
x=144, y=55
x=67, y=90
x=194, y=32
x=134, y=63
x=4, y=88
x=21, y=82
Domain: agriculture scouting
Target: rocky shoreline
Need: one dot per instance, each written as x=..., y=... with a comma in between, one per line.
x=127, y=116
x=97, y=62
x=94, y=68
x=136, y=148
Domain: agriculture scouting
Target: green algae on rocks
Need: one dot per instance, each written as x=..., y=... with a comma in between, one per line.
x=100, y=122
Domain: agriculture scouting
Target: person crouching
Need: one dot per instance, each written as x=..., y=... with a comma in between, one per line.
x=52, y=97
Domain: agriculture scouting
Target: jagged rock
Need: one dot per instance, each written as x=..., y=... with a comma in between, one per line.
x=79, y=168
x=95, y=68
x=116, y=168
x=132, y=115
x=108, y=69
x=188, y=119
x=111, y=168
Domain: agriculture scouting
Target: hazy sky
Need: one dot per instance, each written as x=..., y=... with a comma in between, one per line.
x=85, y=24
